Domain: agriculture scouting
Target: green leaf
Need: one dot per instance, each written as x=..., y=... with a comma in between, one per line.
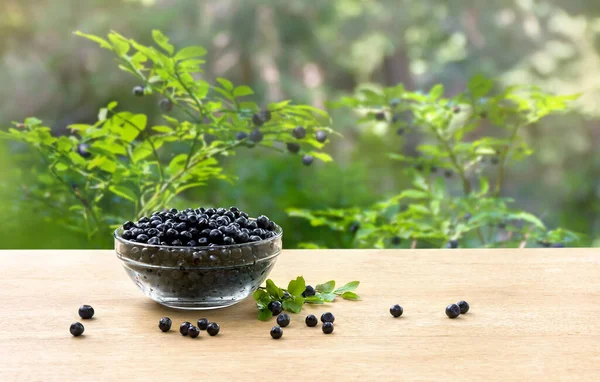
x=225, y=83
x=528, y=218
x=243, y=90
x=162, y=129
x=177, y=163
x=102, y=114
x=190, y=52
x=479, y=86
x=352, y=285
x=350, y=296
x=102, y=42
x=297, y=286
x=436, y=92
x=162, y=41
x=293, y=305
x=124, y=192
x=112, y=105
x=327, y=297
x=414, y=194
x=326, y=287
x=261, y=296
x=314, y=300
x=120, y=45
x=108, y=165
x=321, y=156
x=264, y=314
x=61, y=166
x=274, y=290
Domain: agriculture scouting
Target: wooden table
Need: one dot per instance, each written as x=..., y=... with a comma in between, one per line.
x=535, y=315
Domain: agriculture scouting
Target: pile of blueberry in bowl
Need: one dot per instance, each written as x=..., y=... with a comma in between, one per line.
x=198, y=258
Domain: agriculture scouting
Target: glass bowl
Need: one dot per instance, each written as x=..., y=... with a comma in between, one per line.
x=198, y=277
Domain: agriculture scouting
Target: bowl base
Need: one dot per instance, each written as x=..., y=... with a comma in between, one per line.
x=196, y=305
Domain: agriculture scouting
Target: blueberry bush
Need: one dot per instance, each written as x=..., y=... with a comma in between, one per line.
x=457, y=173
x=123, y=167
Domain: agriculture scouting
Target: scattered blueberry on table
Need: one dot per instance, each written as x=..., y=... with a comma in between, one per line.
x=275, y=307
x=184, y=327
x=283, y=320
x=327, y=327
x=396, y=310
x=464, y=306
x=452, y=311
x=276, y=332
x=193, y=331
x=327, y=317
x=76, y=329
x=86, y=312
x=309, y=291
x=165, y=324
x=203, y=323
x=213, y=328
x=311, y=320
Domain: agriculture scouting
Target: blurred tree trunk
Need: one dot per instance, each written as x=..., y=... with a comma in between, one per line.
x=396, y=69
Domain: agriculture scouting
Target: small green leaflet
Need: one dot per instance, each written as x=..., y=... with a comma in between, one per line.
x=264, y=314
x=348, y=295
x=297, y=286
x=352, y=285
x=274, y=290
x=293, y=305
x=327, y=287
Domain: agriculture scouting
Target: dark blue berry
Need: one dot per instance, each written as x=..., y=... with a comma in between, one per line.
x=127, y=235
x=311, y=320
x=76, y=329
x=128, y=225
x=467, y=216
x=138, y=91
x=463, y=306
x=251, y=225
x=452, y=244
x=292, y=147
x=154, y=241
x=185, y=235
x=193, y=331
x=452, y=311
x=262, y=221
x=165, y=324
x=275, y=307
x=276, y=332
x=181, y=226
x=82, y=150
x=142, y=238
x=171, y=232
x=400, y=131
x=213, y=328
x=327, y=317
x=557, y=245
x=307, y=160
x=395, y=102
x=321, y=136
x=165, y=105
x=256, y=136
x=228, y=240
x=308, y=291
x=86, y=311
x=380, y=116
x=261, y=117
x=177, y=243
x=184, y=327
x=283, y=320
x=327, y=327
x=299, y=132
x=210, y=211
x=243, y=237
x=203, y=324
x=255, y=238
x=396, y=310
x=354, y=227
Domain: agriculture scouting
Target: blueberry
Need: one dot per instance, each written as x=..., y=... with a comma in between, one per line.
x=181, y=226
x=255, y=238
x=327, y=327
x=283, y=320
x=177, y=243
x=467, y=216
x=128, y=225
x=396, y=240
x=138, y=91
x=242, y=221
x=228, y=240
x=185, y=235
x=184, y=327
x=321, y=136
x=396, y=310
x=76, y=329
x=151, y=232
x=452, y=311
x=142, y=238
x=154, y=241
x=210, y=211
x=230, y=215
x=86, y=311
x=400, y=131
x=127, y=235
x=292, y=147
x=395, y=102
x=354, y=227
x=82, y=150
x=165, y=105
x=193, y=331
x=262, y=221
x=308, y=291
x=299, y=132
x=213, y=328
x=380, y=116
x=203, y=324
x=165, y=324
x=252, y=224
x=311, y=320
x=452, y=244
x=171, y=232
x=557, y=245
x=275, y=307
x=234, y=209
x=276, y=332
x=222, y=221
x=243, y=237
x=256, y=136
x=220, y=211
x=307, y=160
x=261, y=117
x=327, y=317
x=463, y=306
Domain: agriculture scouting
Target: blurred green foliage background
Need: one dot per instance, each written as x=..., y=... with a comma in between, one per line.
x=312, y=52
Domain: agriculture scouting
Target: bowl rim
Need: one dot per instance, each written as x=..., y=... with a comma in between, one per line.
x=278, y=230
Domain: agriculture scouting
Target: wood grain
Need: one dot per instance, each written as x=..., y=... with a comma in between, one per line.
x=535, y=315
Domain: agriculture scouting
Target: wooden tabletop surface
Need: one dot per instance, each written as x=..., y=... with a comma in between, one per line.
x=535, y=315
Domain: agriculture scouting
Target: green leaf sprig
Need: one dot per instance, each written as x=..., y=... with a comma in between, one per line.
x=293, y=298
